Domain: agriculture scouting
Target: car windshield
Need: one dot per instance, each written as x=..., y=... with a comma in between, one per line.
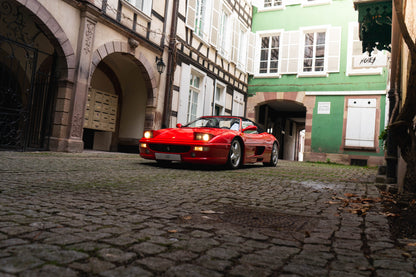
x=231, y=123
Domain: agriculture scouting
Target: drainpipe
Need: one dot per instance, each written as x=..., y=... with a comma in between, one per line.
x=394, y=101
x=167, y=106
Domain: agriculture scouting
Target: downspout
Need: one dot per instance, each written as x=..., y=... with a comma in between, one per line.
x=167, y=105
x=394, y=100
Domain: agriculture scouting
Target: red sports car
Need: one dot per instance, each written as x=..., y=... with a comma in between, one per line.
x=216, y=140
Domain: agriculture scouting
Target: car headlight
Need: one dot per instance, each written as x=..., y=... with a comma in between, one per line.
x=203, y=136
x=148, y=134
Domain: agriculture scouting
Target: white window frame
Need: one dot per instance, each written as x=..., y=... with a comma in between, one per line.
x=224, y=33
x=200, y=93
x=314, y=55
x=145, y=7
x=242, y=50
x=260, y=35
x=238, y=104
x=315, y=29
x=203, y=14
x=219, y=101
x=354, y=42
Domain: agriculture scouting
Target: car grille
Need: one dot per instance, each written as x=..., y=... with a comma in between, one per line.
x=169, y=148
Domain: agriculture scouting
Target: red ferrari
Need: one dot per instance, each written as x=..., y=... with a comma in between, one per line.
x=217, y=140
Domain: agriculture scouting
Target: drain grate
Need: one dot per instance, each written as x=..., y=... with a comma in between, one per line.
x=263, y=218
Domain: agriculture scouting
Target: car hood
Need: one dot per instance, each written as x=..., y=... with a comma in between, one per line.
x=185, y=133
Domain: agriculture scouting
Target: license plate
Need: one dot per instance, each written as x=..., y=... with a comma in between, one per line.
x=168, y=157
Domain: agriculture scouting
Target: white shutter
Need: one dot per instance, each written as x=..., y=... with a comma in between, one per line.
x=289, y=52
x=251, y=52
x=190, y=14
x=235, y=34
x=333, y=49
x=215, y=22
x=208, y=96
x=184, y=94
x=361, y=120
x=147, y=7
x=206, y=28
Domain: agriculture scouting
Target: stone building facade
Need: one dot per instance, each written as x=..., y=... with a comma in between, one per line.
x=78, y=75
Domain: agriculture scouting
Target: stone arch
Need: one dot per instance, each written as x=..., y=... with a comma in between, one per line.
x=298, y=97
x=144, y=66
x=56, y=35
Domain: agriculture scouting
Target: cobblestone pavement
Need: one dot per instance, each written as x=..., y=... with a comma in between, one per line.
x=112, y=214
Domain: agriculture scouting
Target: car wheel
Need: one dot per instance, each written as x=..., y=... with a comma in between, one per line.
x=274, y=157
x=235, y=155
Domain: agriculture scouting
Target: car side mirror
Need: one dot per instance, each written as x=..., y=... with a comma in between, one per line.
x=178, y=125
x=250, y=128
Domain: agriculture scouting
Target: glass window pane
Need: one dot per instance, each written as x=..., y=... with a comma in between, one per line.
x=321, y=38
x=308, y=39
x=308, y=52
x=319, y=65
x=274, y=54
x=275, y=41
x=320, y=51
x=264, y=55
x=265, y=42
x=273, y=67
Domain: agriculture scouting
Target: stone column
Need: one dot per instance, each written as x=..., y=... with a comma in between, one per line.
x=81, y=82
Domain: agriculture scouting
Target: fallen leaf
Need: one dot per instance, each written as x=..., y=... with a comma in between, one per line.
x=350, y=195
x=187, y=217
x=407, y=255
x=172, y=231
x=411, y=244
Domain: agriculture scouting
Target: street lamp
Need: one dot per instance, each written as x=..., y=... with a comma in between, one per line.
x=160, y=65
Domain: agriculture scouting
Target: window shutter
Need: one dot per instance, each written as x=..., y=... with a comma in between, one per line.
x=361, y=121
x=208, y=96
x=215, y=22
x=236, y=33
x=184, y=94
x=334, y=49
x=147, y=7
x=251, y=52
x=190, y=14
x=289, y=49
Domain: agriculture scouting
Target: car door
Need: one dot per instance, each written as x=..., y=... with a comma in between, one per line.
x=254, y=142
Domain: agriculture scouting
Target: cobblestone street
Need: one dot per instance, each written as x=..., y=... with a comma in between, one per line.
x=113, y=214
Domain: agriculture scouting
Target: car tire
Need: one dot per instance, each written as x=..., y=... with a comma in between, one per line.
x=235, y=155
x=274, y=156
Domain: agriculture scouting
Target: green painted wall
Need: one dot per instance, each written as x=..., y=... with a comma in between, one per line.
x=338, y=13
x=327, y=128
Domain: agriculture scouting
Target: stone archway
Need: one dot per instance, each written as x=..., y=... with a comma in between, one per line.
x=30, y=26
x=145, y=67
x=284, y=114
x=119, y=75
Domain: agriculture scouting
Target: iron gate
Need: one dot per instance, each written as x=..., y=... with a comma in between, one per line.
x=26, y=96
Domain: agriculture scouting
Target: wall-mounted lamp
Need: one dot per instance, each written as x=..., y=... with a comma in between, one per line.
x=160, y=65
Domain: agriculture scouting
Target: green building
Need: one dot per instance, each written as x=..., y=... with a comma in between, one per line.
x=312, y=86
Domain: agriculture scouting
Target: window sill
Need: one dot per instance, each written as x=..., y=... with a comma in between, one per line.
x=269, y=9
x=360, y=148
x=136, y=10
x=312, y=74
x=316, y=3
x=364, y=72
x=274, y=75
